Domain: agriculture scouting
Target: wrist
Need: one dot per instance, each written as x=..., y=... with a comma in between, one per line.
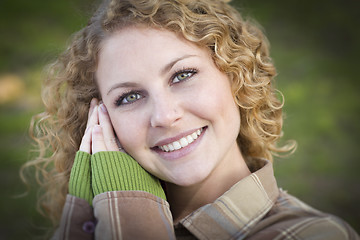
x=117, y=171
x=80, y=177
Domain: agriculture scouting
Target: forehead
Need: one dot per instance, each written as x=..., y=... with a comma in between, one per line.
x=140, y=39
x=135, y=49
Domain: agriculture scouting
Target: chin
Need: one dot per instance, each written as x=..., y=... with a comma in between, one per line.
x=188, y=180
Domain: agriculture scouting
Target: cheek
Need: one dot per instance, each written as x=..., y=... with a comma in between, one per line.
x=222, y=110
x=215, y=100
x=127, y=131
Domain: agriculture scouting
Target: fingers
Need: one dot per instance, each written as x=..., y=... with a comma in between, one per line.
x=93, y=119
x=107, y=129
x=85, y=144
x=99, y=134
x=94, y=102
x=97, y=140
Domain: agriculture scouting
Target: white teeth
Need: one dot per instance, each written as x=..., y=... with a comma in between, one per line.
x=194, y=135
x=176, y=145
x=189, y=139
x=183, y=142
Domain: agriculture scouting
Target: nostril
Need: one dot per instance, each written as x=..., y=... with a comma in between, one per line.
x=165, y=116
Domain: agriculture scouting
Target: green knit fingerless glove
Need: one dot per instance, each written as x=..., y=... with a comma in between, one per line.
x=80, y=177
x=117, y=171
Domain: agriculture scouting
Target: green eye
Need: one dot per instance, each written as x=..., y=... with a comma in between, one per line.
x=183, y=76
x=128, y=98
x=132, y=97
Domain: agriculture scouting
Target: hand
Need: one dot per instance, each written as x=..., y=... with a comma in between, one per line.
x=99, y=134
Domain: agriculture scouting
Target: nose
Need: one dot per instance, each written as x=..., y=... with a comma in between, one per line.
x=166, y=111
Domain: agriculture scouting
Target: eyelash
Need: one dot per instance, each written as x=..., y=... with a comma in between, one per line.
x=192, y=71
x=119, y=101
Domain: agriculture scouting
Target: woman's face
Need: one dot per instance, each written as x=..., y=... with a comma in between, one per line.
x=170, y=106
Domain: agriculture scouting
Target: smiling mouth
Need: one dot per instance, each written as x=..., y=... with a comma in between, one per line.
x=181, y=143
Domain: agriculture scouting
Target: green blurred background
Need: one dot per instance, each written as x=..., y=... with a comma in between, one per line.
x=315, y=46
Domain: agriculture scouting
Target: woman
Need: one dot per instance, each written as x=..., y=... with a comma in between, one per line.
x=182, y=116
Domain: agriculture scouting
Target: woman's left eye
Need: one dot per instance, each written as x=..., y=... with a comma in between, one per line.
x=183, y=76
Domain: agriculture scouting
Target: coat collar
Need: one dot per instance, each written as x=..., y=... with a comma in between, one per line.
x=234, y=213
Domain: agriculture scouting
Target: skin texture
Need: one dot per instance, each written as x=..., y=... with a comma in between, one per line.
x=157, y=88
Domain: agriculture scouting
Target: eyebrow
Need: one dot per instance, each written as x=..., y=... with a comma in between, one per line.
x=172, y=63
x=123, y=85
x=163, y=71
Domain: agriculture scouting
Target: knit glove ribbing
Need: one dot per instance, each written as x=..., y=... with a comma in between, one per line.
x=80, y=177
x=109, y=171
x=117, y=171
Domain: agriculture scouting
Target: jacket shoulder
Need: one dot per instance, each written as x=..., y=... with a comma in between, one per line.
x=291, y=218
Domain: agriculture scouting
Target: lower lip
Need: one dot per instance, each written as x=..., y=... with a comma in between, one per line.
x=177, y=154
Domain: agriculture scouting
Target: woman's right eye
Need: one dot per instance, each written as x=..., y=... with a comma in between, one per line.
x=128, y=98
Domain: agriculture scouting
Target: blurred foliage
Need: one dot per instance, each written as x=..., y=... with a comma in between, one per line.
x=314, y=46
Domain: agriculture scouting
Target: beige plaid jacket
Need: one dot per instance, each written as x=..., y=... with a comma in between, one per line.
x=254, y=208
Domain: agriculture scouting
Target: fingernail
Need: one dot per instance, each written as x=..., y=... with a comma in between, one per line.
x=103, y=108
x=93, y=102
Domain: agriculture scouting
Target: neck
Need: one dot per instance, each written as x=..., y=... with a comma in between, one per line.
x=186, y=199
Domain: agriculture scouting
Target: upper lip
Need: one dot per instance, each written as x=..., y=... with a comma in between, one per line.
x=175, y=138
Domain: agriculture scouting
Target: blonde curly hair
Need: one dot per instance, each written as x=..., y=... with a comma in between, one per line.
x=238, y=48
